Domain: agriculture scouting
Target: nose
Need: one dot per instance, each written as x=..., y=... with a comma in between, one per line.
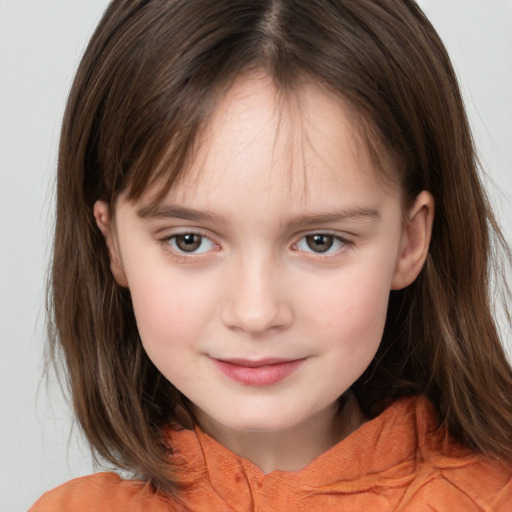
x=256, y=299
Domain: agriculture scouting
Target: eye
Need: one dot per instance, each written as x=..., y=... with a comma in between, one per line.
x=321, y=243
x=191, y=243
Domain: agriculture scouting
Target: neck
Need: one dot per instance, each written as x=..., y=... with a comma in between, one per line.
x=294, y=448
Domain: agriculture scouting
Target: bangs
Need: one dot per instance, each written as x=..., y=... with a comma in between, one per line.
x=157, y=81
x=175, y=140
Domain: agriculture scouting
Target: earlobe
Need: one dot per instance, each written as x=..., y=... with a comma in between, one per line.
x=102, y=215
x=415, y=241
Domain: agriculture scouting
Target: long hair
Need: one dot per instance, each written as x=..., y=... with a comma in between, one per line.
x=147, y=84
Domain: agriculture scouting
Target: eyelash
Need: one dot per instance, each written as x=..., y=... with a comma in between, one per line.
x=170, y=244
x=335, y=239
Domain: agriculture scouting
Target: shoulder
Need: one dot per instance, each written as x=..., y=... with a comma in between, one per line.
x=451, y=477
x=101, y=492
x=471, y=484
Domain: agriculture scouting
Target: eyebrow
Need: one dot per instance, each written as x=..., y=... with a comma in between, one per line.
x=337, y=216
x=160, y=211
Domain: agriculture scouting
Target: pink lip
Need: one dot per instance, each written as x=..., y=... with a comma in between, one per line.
x=258, y=373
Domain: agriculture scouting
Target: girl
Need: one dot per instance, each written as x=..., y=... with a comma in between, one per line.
x=271, y=266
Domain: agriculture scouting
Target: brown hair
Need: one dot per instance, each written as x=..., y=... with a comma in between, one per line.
x=150, y=77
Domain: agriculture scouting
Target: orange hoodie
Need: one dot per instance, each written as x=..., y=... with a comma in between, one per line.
x=399, y=461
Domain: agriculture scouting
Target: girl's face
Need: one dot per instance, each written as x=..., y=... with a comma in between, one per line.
x=260, y=284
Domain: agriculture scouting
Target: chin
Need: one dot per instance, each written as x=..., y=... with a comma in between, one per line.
x=261, y=427
x=263, y=420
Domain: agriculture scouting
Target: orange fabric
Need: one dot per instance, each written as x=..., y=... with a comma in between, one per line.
x=398, y=461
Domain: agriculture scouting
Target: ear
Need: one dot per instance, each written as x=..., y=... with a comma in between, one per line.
x=415, y=241
x=104, y=222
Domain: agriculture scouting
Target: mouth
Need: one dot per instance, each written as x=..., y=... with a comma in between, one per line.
x=258, y=373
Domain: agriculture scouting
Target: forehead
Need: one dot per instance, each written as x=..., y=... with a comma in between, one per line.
x=295, y=143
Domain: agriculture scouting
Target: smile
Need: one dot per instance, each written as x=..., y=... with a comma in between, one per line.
x=258, y=373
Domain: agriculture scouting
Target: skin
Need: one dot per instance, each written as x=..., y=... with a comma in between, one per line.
x=271, y=172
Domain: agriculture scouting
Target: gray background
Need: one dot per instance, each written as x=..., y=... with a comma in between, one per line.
x=40, y=44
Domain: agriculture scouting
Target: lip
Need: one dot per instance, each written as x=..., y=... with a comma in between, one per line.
x=264, y=372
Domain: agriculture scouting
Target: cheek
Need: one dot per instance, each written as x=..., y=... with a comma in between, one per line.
x=169, y=308
x=350, y=309
x=365, y=301
x=173, y=317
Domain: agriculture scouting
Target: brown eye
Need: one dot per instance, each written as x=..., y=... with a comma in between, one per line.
x=320, y=242
x=188, y=242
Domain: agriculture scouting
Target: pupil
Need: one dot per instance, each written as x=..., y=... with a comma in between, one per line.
x=189, y=242
x=320, y=243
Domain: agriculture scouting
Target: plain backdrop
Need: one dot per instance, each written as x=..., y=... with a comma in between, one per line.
x=40, y=45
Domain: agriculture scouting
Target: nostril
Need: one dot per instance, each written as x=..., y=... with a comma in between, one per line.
x=257, y=318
